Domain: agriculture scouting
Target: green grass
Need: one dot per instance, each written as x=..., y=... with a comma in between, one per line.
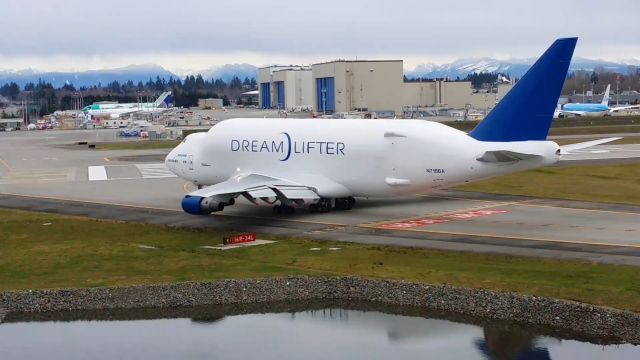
x=138, y=145
x=601, y=183
x=80, y=252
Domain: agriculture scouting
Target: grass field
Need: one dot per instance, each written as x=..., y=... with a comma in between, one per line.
x=39, y=250
x=138, y=145
x=601, y=183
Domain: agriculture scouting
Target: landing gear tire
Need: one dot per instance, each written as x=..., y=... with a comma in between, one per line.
x=352, y=202
x=345, y=203
x=324, y=205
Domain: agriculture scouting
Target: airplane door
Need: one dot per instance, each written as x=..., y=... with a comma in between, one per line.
x=190, y=162
x=396, y=161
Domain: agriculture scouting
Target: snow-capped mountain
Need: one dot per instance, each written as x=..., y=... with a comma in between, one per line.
x=228, y=71
x=514, y=67
x=134, y=73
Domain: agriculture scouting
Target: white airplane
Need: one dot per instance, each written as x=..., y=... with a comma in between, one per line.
x=325, y=164
x=115, y=110
x=600, y=109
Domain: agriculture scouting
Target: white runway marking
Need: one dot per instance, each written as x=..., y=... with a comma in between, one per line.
x=602, y=152
x=129, y=172
x=154, y=171
x=97, y=173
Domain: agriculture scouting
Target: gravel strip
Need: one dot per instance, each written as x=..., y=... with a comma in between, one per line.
x=576, y=317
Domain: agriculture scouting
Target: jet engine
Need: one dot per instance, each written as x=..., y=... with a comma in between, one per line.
x=198, y=205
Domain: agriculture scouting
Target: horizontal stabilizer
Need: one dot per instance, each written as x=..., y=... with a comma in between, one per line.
x=567, y=149
x=504, y=156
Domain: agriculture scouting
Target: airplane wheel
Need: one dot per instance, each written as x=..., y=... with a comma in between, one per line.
x=277, y=209
x=324, y=205
x=313, y=208
x=351, y=202
x=342, y=204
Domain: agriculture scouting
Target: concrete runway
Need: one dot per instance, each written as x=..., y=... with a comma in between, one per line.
x=41, y=171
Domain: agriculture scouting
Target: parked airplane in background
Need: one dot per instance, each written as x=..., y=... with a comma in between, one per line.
x=600, y=109
x=115, y=110
x=325, y=164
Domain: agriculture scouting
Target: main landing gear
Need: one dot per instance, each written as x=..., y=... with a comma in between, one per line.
x=322, y=206
x=283, y=209
x=326, y=205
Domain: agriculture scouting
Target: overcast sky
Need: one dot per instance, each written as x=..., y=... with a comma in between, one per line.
x=196, y=34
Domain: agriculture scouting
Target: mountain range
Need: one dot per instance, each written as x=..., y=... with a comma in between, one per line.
x=134, y=73
x=459, y=68
x=514, y=68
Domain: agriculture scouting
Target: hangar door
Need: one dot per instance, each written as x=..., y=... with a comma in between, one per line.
x=280, y=94
x=325, y=94
x=265, y=95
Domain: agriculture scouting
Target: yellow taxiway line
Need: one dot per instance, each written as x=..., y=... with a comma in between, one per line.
x=509, y=237
x=5, y=164
x=529, y=203
x=175, y=210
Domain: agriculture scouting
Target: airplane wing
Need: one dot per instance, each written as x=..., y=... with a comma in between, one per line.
x=256, y=187
x=627, y=107
x=567, y=149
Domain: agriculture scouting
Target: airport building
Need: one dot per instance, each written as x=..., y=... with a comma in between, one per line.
x=369, y=86
x=211, y=103
x=285, y=87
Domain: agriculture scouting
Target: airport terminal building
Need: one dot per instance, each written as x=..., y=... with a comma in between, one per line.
x=364, y=85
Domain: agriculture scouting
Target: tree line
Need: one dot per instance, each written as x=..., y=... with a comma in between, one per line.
x=186, y=93
x=575, y=83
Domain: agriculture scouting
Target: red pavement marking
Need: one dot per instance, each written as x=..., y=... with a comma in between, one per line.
x=443, y=219
x=473, y=214
x=412, y=223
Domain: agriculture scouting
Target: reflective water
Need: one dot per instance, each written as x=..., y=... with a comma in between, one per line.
x=323, y=333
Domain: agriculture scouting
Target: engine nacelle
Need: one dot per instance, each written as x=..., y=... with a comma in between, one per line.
x=198, y=205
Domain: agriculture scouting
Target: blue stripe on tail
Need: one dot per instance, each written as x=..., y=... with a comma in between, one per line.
x=526, y=112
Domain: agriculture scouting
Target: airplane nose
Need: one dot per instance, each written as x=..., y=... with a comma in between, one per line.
x=169, y=161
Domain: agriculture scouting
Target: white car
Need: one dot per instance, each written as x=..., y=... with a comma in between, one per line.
x=31, y=127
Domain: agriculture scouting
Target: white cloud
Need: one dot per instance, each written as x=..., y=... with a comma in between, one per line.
x=75, y=34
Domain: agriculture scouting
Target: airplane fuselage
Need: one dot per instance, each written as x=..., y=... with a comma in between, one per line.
x=368, y=158
x=586, y=109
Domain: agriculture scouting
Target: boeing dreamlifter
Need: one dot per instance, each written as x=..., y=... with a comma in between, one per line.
x=325, y=164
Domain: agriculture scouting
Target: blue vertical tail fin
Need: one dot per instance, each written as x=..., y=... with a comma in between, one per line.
x=526, y=112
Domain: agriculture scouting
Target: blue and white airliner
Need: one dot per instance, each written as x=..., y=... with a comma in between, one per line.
x=601, y=109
